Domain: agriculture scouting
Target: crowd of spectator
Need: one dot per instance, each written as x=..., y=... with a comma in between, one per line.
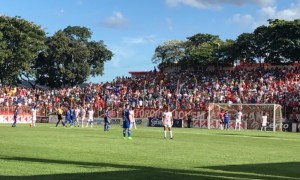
x=183, y=89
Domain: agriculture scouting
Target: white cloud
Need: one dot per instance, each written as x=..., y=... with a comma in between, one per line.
x=139, y=40
x=116, y=20
x=267, y=12
x=242, y=19
x=216, y=4
x=291, y=13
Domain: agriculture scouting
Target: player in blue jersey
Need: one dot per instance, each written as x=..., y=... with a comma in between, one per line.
x=16, y=114
x=68, y=116
x=72, y=117
x=106, y=119
x=226, y=120
x=126, y=122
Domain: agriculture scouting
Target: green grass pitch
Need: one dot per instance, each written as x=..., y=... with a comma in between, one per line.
x=53, y=153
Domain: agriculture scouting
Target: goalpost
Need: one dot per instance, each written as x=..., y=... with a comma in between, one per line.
x=252, y=114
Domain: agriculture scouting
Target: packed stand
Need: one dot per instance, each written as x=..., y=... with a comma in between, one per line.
x=183, y=90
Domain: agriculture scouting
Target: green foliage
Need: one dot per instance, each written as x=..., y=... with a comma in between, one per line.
x=71, y=58
x=46, y=152
x=227, y=53
x=245, y=47
x=20, y=43
x=67, y=58
x=278, y=42
x=169, y=52
x=202, y=50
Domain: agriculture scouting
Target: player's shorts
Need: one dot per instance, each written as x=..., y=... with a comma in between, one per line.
x=90, y=120
x=237, y=121
x=126, y=124
x=168, y=125
x=131, y=124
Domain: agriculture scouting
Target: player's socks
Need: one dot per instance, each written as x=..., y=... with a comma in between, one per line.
x=171, y=135
x=165, y=134
x=129, y=133
x=124, y=133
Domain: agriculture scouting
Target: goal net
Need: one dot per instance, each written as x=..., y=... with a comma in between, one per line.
x=252, y=115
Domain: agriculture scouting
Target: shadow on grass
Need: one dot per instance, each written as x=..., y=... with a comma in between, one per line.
x=284, y=170
x=255, y=171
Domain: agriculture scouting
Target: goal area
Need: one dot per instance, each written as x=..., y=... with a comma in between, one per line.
x=252, y=115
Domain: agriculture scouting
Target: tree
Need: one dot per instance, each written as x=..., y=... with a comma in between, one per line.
x=71, y=58
x=227, y=53
x=168, y=53
x=245, y=47
x=20, y=43
x=202, y=50
x=283, y=41
x=278, y=42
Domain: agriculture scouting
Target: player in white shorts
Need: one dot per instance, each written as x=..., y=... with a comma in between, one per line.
x=82, y=114
x=90, y=117
x=168, y=122
x=77, y=112
x=238, y=120
x=132, y=118
x=33, y=116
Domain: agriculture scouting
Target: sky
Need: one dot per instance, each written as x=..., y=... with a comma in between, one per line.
x=132, y=29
